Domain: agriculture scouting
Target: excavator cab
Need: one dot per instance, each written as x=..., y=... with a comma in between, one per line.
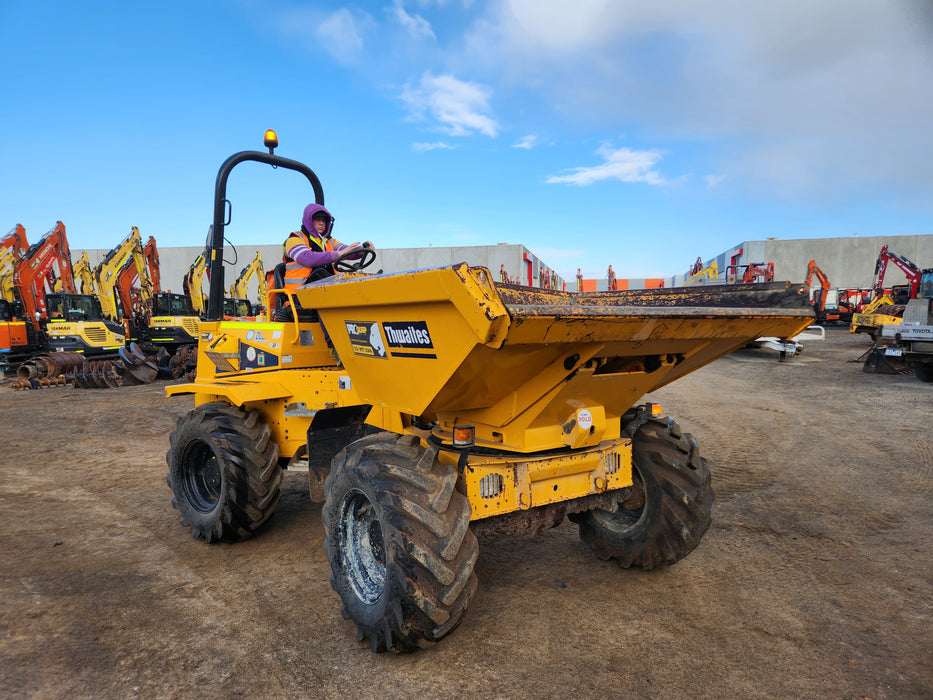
x=76, y=323
x=75, y=307
x=169, y=304
x=925, y=289
x=238, y=308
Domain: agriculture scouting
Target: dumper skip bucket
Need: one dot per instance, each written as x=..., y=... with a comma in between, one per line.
x=448, y=344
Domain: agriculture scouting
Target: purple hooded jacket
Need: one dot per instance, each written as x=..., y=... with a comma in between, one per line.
x=305, y=255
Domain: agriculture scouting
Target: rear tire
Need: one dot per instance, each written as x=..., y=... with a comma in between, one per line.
x=669, y=510
x=923, y=372
x=399, y=542
x=223, y=472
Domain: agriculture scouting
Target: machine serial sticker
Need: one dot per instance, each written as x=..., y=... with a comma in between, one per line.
x=365, y=338
x=409, y=339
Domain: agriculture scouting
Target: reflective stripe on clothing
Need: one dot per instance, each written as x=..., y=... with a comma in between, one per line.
x=297, y=274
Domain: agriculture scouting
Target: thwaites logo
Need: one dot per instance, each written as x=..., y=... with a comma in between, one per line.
x=408, y=339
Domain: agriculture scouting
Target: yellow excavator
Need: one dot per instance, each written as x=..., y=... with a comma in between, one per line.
x=707, y=275
x=84, y=274
x=107, y=271
x=432, y=405
x=238, y=304
x=176, y=317
x=194, y=281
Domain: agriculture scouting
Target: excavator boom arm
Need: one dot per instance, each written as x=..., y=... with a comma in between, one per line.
x=910, y=270
x=108, y=272
x=240, y=288
x=36, y=269
x=193, y=281
x=152, y=260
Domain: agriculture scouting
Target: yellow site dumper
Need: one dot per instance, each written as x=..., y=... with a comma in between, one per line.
x=434, y=405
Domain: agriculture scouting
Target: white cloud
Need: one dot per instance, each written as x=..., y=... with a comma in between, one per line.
x=416, y=25
x=340, y=35
x=622, y=164
x=424, y=147
x=526, y=142
x=714, y=181
x=459, y=108
x=841, y=83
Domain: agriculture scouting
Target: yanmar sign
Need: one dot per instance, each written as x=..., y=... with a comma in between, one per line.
x=402, y=336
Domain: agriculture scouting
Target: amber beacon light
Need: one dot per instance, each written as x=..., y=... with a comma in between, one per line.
x=271, y=140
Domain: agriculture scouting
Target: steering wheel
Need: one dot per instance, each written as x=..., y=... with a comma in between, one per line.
x=343, y=264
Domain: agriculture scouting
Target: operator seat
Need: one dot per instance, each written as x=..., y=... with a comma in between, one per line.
x=283, y=310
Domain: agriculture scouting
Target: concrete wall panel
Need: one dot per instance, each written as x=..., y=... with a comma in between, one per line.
x=848, y=262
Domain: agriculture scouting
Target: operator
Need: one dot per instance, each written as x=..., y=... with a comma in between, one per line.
x=309, y=254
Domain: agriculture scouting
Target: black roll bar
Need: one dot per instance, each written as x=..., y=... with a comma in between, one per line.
x=215, y=305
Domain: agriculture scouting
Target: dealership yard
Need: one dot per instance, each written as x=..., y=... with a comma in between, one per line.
x=814, y=580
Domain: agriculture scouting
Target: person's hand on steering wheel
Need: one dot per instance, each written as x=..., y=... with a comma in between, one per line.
x=348, y=261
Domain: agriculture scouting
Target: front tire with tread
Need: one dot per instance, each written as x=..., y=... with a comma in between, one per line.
x=399, y=542
x=223, y=472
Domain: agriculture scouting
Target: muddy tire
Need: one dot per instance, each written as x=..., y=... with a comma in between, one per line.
x=922, y=372
x=670, y=509
x=223, y=472
x=399, y=542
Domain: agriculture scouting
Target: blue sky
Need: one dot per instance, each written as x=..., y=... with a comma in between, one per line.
x=594, y=132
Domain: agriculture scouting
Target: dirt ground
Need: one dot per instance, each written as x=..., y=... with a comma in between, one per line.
x=814, y=580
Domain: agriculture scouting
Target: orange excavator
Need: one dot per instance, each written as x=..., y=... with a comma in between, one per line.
x=151, y=253
x=13, y=246
x=44, y=268
x=39, y=269
x=18, y=338
x=852, y=300
x=63, y=320
x=135, y=291
x=821, y=295
x=750, y=273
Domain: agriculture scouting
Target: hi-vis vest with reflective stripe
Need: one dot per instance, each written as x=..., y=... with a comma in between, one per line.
x=295, y=273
